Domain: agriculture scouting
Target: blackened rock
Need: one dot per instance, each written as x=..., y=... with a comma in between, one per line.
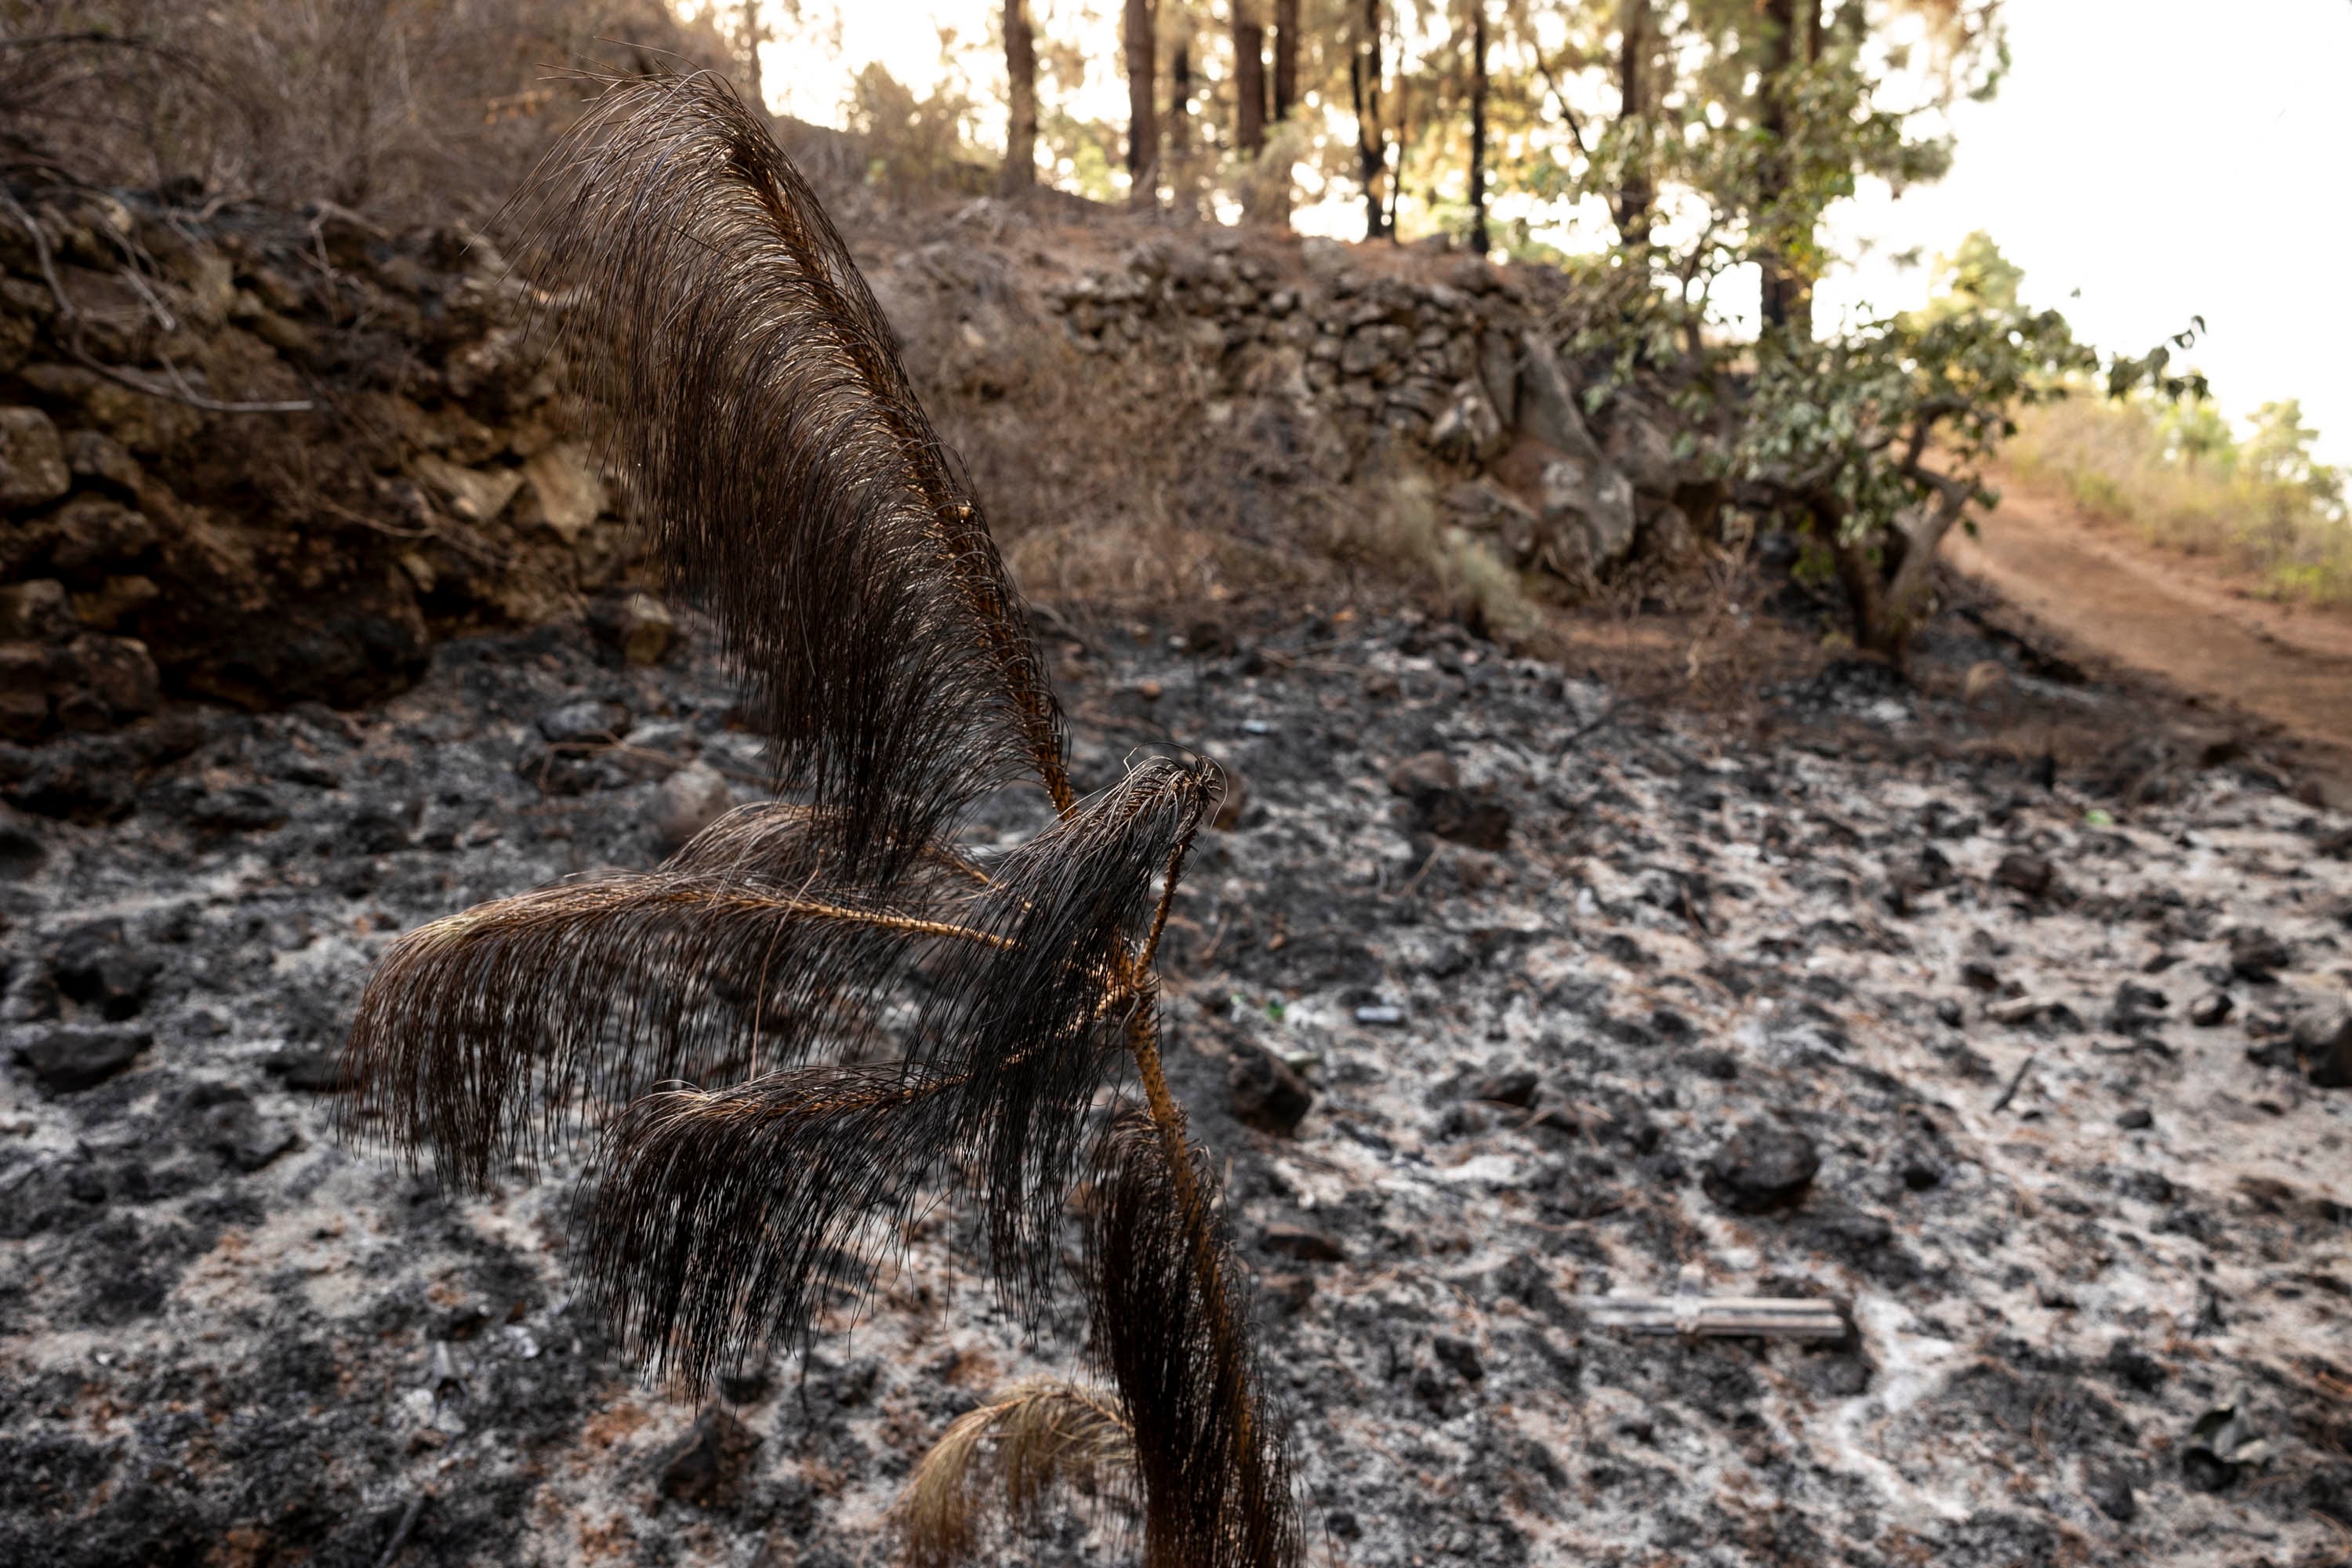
x=1761, y=1169
x=243, y=1137
x=1431, y=787
x=2134, y=1367
x=1950, y=1012
x=2211, y=1009
x=21, y=849
x=1460, y=1355
x=95, y=966
x=1305, y=1245
x=1266, y=1094
x=1979, y=976
x=1518, y=1088
x=312, y=1072
x=2110, y=1491
x=2256, y=955
x=2329, y=1059
x=238, y=808
x=1287, y=1293
x=2137, y=1119
x=1714, y=1063
x=2025, y=872
x=707, y=1465
x=379, y=829
x=68, y=1060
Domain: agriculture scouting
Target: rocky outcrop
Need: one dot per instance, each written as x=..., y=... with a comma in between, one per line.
x=1394, y=358
x=264, y=457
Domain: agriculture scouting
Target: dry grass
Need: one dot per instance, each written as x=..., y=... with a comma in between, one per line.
x=412, y=109
x=2121, y=462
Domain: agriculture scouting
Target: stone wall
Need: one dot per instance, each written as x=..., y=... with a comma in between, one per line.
x=265, y=457
x=1448, y=364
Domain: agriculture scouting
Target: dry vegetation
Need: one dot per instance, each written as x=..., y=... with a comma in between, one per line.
x=2179, y=479
x=410, y=109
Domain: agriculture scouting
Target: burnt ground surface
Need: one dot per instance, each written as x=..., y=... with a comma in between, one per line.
x=1858, y=1015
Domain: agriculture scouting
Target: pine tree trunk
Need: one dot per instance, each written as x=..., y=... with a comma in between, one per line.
x=1788, y=294
x=1249, y=79
x=1142, y=119
x=1635, y=195
x=1180, y=129
x=1285, y=58
x=1364, y=88
x=1479, y=242
x=1021, y=75
x=755, y=78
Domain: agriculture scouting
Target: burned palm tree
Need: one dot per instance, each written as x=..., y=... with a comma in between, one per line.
x=878, y=1014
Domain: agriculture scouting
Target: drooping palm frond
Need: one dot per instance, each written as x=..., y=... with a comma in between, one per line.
x=819, y=1014
x=716, y=1222
x=1006, y=1458
x=492, y=1034
x=750, y=389
x=1170, y=1310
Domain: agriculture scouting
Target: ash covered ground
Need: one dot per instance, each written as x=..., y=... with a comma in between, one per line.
x=1845, y=1018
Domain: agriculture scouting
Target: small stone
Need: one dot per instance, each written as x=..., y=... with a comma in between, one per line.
x=2255, y=954
x=1425, y=773
x=1950, y=1012
x=68, y=1060
x=2025, y=872
x=1715, y=1063
x=34, y=611
x=707, y=1465
x=1516, y=1089
x=32, y=460
x=1306, y=1245
x=640, y=625
x=1266, y=1094
x=581, y=723
x=1461, y=1356
x=312, y=1072
x=688, y=801
x=2211, y=1009
x=2110, y=1491
x=95, y=966
x=2329, y=1059
x=1979, y=976
x=1287, y=1293
x=1761, y=1168
x=22, y=852
x=2137, y=1119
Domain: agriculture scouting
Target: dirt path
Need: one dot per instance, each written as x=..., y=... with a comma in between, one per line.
x=2130, y=603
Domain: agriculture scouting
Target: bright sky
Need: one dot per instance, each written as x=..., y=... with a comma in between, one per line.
x=2145, y=161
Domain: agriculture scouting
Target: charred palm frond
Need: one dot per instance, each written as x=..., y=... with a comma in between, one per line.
x=1009, y=1459
x=820, y=1015
x=716, y=1223
x=749, y=390
x=1169, y=1312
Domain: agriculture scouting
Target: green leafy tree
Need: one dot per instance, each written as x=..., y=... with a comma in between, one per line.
x=1877, y=443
